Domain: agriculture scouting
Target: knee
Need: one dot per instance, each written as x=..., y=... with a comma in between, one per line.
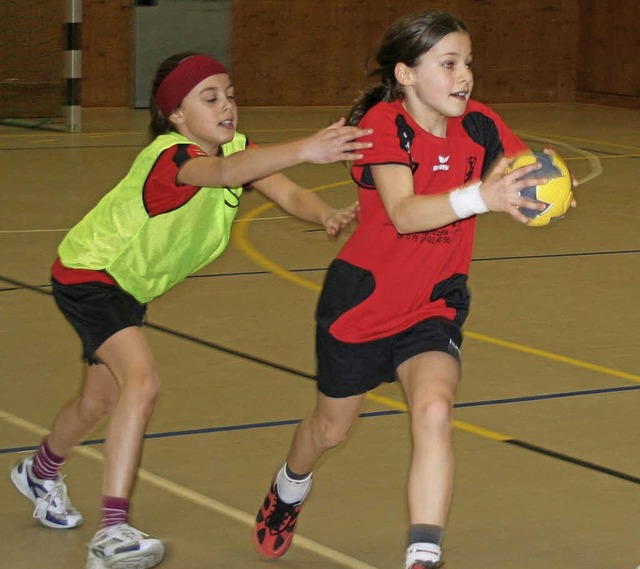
x=434, y=415
x=94, y=409
x=146, y=386
x=329, y=434
x=141, y=388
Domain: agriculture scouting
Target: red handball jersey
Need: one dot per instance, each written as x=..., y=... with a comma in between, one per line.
x=383, y=282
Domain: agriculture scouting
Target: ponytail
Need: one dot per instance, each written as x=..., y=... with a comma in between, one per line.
x=370, y=97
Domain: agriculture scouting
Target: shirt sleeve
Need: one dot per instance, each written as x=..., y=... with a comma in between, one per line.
x=162, y=192
x=486, y=128
x=392, y=138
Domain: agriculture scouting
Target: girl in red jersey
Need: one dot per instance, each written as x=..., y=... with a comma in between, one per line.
x=395, y=298
x=169, y=216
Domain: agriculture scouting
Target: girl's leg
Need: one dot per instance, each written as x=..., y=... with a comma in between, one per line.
x=37, y=477
x=325, y=428
x=129, y=359
x=429, y=381
x=82, y=414
x=116, y=543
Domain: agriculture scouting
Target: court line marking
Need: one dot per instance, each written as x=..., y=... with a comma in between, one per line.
x=197, y=498
x=184, y=492
x=241, y=240
x=246, y=519
x=594, y=162
x=541, y=136
x=18, y=231
x=243, y=243
x=399, y=407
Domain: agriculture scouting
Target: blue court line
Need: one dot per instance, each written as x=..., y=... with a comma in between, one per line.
x=288, y=422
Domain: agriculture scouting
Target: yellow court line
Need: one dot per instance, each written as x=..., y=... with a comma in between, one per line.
x=241, y=240
x=460, y=425
x=243, y=243
x=551, y=356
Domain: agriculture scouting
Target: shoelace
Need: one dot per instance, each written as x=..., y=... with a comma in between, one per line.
x=58, y=492
x=282, y=518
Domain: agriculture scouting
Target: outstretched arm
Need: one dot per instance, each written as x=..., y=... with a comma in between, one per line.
x=304, y=204
x=332, y=144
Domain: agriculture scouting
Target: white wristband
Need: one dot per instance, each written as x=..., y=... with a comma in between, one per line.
x=468, y=201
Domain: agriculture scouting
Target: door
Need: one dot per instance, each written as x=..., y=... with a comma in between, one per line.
x=166, y=27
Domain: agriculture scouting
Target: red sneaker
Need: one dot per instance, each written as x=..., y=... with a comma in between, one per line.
x=275, y=525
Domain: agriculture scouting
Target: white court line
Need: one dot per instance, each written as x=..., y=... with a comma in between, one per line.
x=197, y=498
x=14, y=231
x=595, y=164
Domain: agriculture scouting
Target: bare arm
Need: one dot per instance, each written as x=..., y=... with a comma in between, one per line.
x=306, y=205
x=411, y=213
x=333, y=144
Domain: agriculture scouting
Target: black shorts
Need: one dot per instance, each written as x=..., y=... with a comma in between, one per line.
x=97, y=311
x=352, y=369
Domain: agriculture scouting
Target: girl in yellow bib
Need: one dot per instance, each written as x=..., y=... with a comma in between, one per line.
x=168, y=217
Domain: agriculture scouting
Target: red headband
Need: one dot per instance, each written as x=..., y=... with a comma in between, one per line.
x=184, y=77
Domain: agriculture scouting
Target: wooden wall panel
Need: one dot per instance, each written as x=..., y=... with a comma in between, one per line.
x=107, y=53
x=609, y=48
x=305, y=52
x=31, y=62
x=298, y=52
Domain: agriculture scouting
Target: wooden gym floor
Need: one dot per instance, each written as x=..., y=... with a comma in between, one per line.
x=548, y=468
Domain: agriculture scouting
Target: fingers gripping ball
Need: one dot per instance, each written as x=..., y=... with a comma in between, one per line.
x=556, y=194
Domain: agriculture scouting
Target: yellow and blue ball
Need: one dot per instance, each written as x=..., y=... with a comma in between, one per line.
x=556, y=194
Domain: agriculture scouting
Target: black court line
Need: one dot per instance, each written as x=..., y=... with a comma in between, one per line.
x=514, y=442
x=20, y=285
x=200, y=341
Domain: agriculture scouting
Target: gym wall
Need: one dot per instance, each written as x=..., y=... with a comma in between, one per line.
x=313, y=52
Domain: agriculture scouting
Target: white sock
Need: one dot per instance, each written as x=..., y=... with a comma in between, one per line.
x=423, y=552
x=289, y=490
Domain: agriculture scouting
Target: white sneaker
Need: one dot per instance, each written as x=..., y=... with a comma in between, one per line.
x=424, y=556
x=52, y=506
x=123, y=547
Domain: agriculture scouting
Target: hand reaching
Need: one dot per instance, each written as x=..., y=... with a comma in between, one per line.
x=340, y=218
x=335, y=143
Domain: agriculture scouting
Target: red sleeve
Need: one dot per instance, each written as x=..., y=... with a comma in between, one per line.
x=161, y=192
x=388, y=138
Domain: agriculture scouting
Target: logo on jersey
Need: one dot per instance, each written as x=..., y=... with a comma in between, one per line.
x=471, y=166
x=442, y=163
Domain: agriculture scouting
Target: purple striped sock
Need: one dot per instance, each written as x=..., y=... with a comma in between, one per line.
x=114, y=511
x=46, y=464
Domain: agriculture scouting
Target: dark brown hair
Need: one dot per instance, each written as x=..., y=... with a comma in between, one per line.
x=404, y=42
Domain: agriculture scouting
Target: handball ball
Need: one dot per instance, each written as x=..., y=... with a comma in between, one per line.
x=556, y=194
